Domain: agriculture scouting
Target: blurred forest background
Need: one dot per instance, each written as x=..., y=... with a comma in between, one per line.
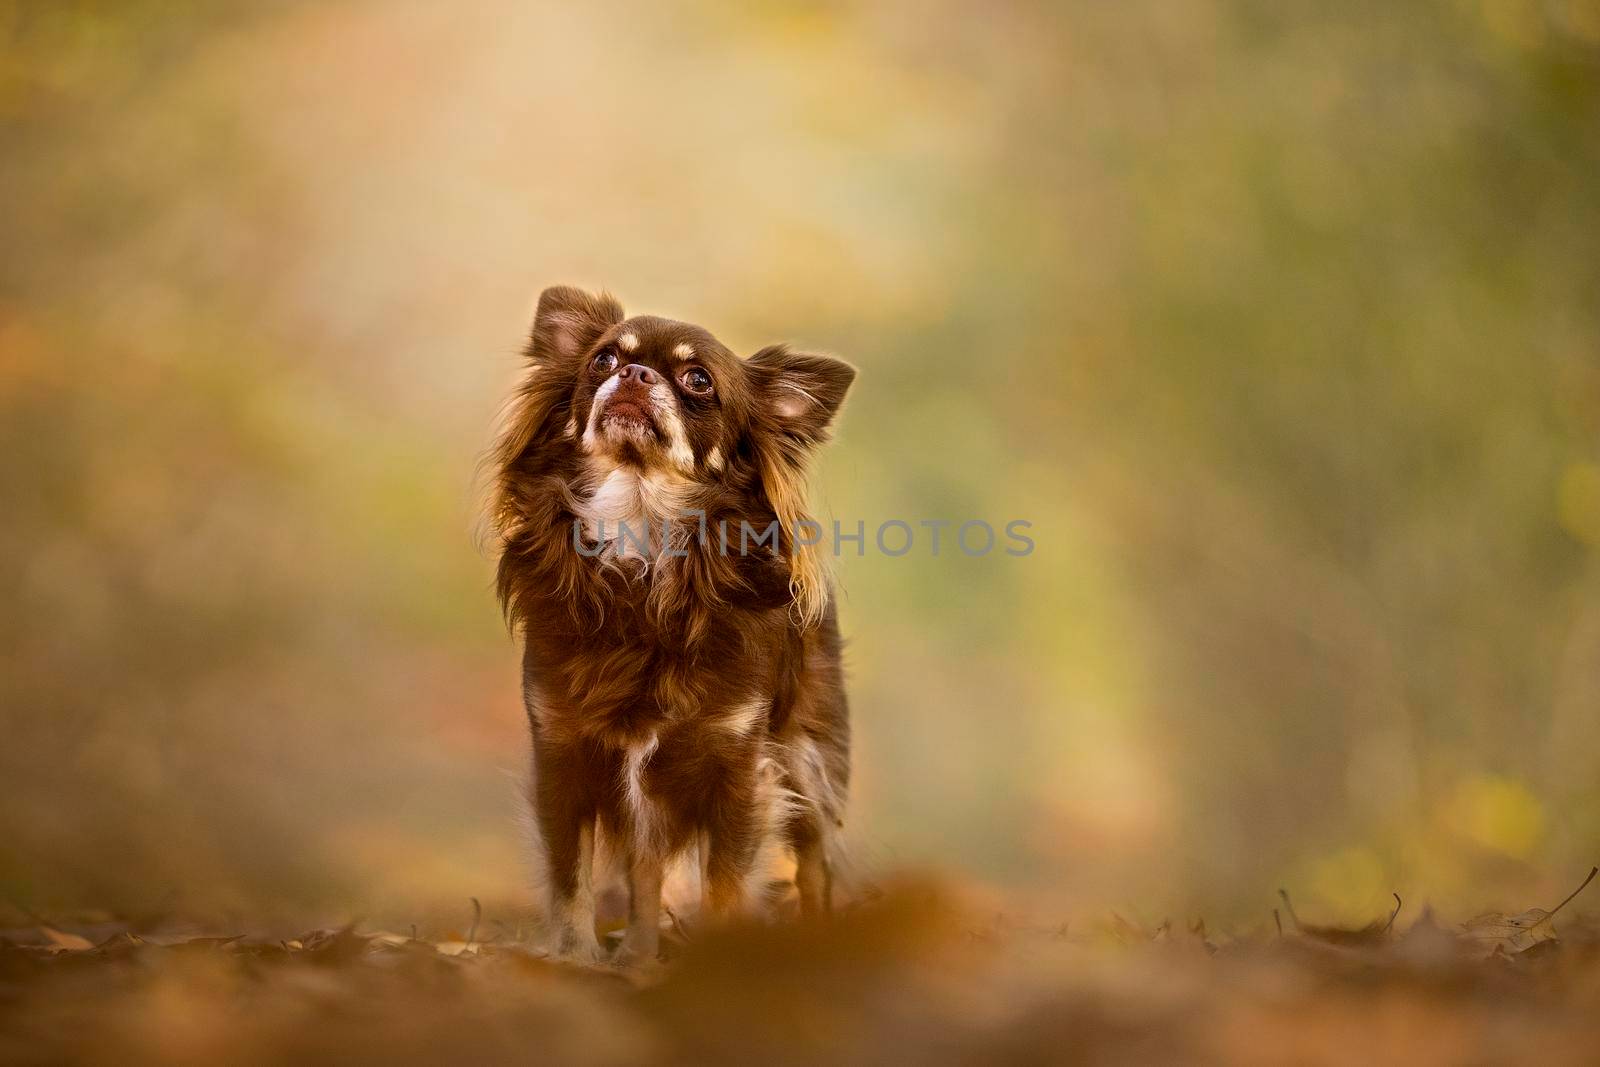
x=1280, y=322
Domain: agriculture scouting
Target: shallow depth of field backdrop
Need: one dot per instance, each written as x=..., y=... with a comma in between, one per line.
x=1280, y=323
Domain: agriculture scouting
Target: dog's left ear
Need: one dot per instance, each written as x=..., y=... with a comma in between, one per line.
x=796, y=397
x=797, y=392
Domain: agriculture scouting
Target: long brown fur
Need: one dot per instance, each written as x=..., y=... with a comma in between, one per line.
x=684, y=693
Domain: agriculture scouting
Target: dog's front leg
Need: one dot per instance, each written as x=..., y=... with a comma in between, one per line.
x=571, y=856
x=566, y=829
x=813, y=876
x=732, y=854
x=728, y=845
x=642, y=941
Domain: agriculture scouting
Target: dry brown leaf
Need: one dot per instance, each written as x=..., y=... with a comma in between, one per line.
x=121, y=942
x=1374, y=933
x=1511, y=934
x=66, y=942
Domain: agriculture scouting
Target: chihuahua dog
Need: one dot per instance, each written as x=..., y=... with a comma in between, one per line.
x=681, y=654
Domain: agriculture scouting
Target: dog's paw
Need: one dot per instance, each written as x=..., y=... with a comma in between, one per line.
x=638, y=950
x=641, y=963
x=572, y=946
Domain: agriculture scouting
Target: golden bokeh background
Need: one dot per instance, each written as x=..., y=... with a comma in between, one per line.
x=1279, y=322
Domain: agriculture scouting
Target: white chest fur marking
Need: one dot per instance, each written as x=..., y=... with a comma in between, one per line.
x=627, y=511
x=640, y=811
x=742, y=719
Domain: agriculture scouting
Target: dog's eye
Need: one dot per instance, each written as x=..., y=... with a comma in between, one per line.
x=605, y=361
x=696, y=380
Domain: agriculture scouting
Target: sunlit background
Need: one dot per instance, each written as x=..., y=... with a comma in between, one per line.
x=1279, y=322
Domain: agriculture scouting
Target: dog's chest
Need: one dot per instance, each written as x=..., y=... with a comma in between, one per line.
x=630, y=677
x=657, y=786
x=631, y=515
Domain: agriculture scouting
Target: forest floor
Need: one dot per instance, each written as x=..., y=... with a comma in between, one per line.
x=913, y=976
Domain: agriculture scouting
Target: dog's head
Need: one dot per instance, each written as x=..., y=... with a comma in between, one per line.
x=668, y=400
x=668, y=396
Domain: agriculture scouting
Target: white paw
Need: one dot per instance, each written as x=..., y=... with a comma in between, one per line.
x=577, y=946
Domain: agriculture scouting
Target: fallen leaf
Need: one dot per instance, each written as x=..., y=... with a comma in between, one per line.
x=209, y=943
x=1374, y=933
x=1511, y=934
x=121, y=942
x=66, y=942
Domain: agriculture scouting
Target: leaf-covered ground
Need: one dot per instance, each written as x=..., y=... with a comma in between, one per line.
x=915, y=976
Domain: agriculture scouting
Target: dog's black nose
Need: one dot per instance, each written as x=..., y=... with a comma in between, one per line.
x=645, y=375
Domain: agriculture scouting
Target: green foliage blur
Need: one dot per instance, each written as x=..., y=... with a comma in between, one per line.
x=1279, y=322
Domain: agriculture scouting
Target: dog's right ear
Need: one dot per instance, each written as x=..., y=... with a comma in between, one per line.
x=568, y=322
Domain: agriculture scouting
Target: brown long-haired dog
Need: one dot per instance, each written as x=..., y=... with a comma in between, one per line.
x=681, y=665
